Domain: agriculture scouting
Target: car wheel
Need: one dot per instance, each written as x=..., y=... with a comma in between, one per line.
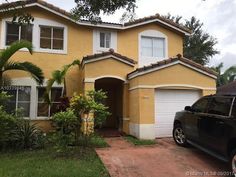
x=233, y=162
x=179, y=136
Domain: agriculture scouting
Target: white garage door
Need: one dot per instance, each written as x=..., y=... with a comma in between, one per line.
x=167, y=103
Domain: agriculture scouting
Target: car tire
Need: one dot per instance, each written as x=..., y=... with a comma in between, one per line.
x=179, y=136
x=232, y=162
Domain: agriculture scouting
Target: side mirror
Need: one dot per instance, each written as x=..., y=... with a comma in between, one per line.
x=188, y=108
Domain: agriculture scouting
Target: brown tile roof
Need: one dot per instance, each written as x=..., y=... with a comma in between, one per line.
x=67, y=14
x=104, y=54
x=48, y=5
x=159, y=17
x=28, y=2
x=171, y=60
x=228, y=89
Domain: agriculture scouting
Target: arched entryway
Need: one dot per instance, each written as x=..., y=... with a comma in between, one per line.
x=114, y=90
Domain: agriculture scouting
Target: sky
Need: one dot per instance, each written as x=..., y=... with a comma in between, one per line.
x=218, y=16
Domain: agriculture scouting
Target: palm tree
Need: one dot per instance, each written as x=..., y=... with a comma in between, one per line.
x=58, y=76
x=228, y=76
x=6, y=64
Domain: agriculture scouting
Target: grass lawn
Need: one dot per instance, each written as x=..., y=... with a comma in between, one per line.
x=47, y=163
x=139, y=142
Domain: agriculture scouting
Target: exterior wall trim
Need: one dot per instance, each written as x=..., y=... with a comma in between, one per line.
x=136, y=74
x=104, y=58
x=119, y=26
x=170, y=85
x=92, y=80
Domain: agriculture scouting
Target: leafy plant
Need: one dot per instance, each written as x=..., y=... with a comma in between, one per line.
x=7, y=65
x=67, y=128
x=4, y=97
x=8, y=124
x=28, y=136
x=59, y=76
x=225, y=78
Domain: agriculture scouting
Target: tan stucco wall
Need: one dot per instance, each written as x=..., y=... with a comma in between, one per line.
x=128, y=40
x=177, y=74
x=107, y=67
x=79, y=44
x=141, y=101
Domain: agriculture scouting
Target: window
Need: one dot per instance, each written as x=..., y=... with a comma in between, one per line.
x=105, y=40
x=220, y=106
x=51, y=38
x=45, y=110
x=201, y=105
x=17, y=32
x=153, y=47
x=20, y=99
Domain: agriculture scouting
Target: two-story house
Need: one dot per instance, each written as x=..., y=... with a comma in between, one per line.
x=139, y=64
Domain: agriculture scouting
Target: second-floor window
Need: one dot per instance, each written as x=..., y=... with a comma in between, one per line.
x=51, y=38
x=17, y=32
x=105, y=40
x=153, y=47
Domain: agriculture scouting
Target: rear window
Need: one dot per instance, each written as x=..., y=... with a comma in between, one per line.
x=201, y=105
x=220, y=106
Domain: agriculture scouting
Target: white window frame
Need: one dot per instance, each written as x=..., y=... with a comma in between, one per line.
x=51, y=38
x=143, y=60
x=17, y=97
x=27, y=81
x=19, y=32
x=36, y=35
x=96, y=41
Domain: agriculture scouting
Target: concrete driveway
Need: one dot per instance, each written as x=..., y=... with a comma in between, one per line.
x=165, y=159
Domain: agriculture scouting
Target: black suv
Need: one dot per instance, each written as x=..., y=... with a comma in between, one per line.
x=210, y=125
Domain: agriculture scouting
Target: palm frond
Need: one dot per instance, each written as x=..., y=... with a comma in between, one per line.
x=6, y=54
x=57, y=77
x=35, y=72
x=50, y=83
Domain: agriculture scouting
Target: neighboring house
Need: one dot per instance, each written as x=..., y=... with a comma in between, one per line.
x=145, y=80
x=228, y=89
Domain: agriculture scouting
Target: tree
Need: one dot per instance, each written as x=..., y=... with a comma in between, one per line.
x=91, y=10
x=58, y=76
x=200, y=45
x=6, y=64
x=228, y=76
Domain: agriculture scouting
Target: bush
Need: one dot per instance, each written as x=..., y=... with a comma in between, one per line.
x=18, y=133
x=67, y=129
x=28, y=136
x=8, y=124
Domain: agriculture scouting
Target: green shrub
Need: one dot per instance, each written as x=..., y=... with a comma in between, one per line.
x=8, y=124
x=28, y=136
x=67, y=129
x=66, y=121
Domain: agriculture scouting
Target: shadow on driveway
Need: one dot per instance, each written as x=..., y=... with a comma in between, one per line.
x=165, y=159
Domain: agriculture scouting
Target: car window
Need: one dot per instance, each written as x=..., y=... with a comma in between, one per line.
x=220, y=106
x=201, y=105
